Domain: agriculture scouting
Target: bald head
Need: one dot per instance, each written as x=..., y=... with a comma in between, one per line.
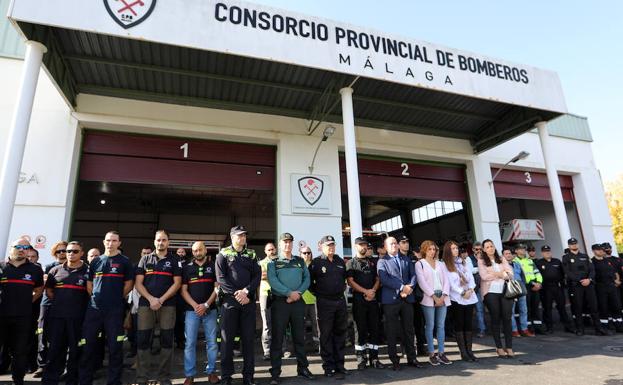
x=199, y=250
x=18, y=250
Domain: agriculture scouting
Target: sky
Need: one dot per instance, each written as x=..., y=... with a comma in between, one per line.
x=580, y=40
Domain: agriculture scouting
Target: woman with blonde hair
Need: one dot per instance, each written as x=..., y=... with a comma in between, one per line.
x=433, y=280
x=462, y=297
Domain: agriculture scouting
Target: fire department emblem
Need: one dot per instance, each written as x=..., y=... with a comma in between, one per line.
x=128, y=13
x=311, y=189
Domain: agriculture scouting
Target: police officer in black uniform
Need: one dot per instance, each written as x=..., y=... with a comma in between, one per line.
x=328, y=283
x=362, y=277
x=66, y=286
x=618, y=263
x=580, y=276
x=238, y=275
x=606, y=277
x=553, y=289
x=22, y=284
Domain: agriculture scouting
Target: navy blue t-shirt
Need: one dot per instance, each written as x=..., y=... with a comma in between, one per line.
x=70, y=291
x=159, y=274
x=108, y=275
x=200, y=280
x=17, y=285
x=45, y=301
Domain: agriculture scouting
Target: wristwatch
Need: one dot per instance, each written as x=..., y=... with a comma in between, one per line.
x=206, y=305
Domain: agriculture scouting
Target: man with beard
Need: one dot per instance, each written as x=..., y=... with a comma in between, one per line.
x=22, y=284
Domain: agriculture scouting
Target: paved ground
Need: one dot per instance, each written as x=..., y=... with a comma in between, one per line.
x=560, y=358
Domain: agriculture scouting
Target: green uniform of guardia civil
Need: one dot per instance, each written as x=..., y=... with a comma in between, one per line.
x=286, y=276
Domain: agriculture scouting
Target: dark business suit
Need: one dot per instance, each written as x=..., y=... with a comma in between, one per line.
x=394, y=273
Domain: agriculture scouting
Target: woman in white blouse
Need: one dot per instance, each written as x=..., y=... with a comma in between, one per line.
x=462, y=297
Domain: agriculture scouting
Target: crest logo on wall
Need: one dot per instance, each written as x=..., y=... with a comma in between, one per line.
x=129, y=13
x=311, y=189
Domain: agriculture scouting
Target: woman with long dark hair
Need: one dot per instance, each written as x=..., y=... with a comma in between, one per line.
x=462, y=296
x=494, y=271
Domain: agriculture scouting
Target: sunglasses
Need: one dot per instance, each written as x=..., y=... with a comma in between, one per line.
x=22, y=247
x=73, y=251
x=60, y=251
x=306, y=252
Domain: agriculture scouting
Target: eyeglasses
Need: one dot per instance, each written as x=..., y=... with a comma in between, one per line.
x=306, y=252
x=477, y=250
x=60, y=251
x=22, y=247
x=73, y=251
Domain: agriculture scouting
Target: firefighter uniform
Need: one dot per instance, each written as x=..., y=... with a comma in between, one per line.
x=607, y=293
x=237, y=270
x=553, y=290
x=64, y=322
x=105, y=312
x=533, y=277
x=328, y=283
x=17, y=284
x=577, y=267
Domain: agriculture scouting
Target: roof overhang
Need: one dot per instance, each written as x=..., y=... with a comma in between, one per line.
x=241, y=56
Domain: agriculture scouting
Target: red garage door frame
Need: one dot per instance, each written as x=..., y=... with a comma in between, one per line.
x=408, y=179
x=529, y=185
x=131, y=158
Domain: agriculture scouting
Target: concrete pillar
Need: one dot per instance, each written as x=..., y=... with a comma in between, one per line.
x=482, y=201
x=18, y=133
x=352, y=171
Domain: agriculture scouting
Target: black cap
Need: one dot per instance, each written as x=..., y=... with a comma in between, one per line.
x=597, y=246
x=369, y=244
x=286, y=237
x=572, y=241
x=462, y=250
x=238, y=230
x=403, y=238
x=327, y=240
x=361, y=240
x=416, y=249
x=546, y=248
x=520, y=246
x=531, y=248
x=606, y=245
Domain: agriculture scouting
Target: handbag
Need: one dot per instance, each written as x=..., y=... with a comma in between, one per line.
x=514, y=288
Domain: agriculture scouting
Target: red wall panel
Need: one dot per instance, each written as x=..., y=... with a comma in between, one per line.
x=518, y=185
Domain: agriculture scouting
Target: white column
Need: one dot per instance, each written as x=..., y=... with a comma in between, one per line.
x=554, y=185
x=18, y=133
x=352, y=171
x=483, y=204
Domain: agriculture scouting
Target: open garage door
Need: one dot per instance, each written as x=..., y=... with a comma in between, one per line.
x=195, y=189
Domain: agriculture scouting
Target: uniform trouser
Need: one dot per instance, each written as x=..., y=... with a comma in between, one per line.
x=180, y=319
x=266, y=323
x=14, y=336
x=609, y=304
x=236, y=317
x=147, y=318
x=333, y=325
x=33, y=343
x=534, y=316
x=580, y=296
x=64, y=334
x=366, y=316
x=418, y=326
x=42, y=337
x=312, y=317
x=285, y=314
x=549, y=295
x=399, y=318
x=111, y=322
x=501, y=312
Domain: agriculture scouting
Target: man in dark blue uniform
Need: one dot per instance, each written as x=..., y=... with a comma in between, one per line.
x=328, y=283
x=110, y=279
x=580, y=275
x=553, y=289
x=66, y=287
x=158, y=278
x=22, y=284
x=606, y=277
x=238, y=274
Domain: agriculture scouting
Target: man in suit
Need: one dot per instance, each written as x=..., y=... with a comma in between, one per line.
x=398, y=280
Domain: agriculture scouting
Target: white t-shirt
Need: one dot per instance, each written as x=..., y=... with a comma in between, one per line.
x=497, y=286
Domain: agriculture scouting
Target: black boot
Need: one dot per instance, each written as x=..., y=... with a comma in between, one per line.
x=373, y=355
x=460, y=341
x=361, y=360
x=468, y=346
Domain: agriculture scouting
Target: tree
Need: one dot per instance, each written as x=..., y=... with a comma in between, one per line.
x=614, y=194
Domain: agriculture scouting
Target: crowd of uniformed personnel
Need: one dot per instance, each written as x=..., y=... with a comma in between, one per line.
x=59, y=318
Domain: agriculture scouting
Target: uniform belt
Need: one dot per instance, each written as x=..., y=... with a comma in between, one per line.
x=331, y=297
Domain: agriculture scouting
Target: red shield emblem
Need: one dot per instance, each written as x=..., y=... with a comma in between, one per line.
x=311, y=189
x=128, y=13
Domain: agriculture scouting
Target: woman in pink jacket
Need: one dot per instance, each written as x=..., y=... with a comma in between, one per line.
x=494, y=271
x=432, y=279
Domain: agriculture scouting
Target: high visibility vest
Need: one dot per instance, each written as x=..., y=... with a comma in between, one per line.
x=530, y=270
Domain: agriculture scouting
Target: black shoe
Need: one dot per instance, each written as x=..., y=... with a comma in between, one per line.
x=339, y=375
x=274, y=381
x=549, y=330
x=579, y=332
x=396, y=366
x=329, y=373
x=266, y=357
x=343, y=371
x=249, y=381
x=305, y=373
x=376, y=364
x=226, y=381
x=602, y=332
x=414, y=363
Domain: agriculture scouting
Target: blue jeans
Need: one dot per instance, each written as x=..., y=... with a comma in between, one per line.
x=523, y=313
x=190, y=350
x=480, y=313
x=435, y=318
